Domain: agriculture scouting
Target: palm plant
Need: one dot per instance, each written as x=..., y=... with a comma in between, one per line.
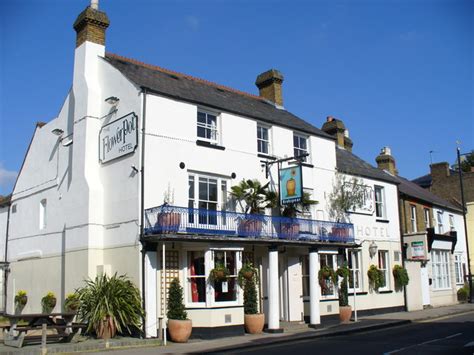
x=252, y=196
x=114, y=300
x=292, y=209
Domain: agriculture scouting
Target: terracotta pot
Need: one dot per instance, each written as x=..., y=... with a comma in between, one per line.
x=345, y=313
x=180, y=330
x=250, y=228
x=168, y=222
x=247, y=275
x=254, y=323
x=106, y=328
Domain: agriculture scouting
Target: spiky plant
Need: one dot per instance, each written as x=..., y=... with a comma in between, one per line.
x=113, y=297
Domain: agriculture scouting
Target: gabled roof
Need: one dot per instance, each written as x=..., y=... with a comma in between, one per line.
x=413, y=190
x=350, y=163
x=423, y=181
x=201, y=92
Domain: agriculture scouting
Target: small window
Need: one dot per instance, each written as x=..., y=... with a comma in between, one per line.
x=383, y=266
x=439, y=217
x=42, y=214
x=225, y=291
x=263, y=139
x=300, y=146
x=451, y=223
x=14, y=208
x=196, y=277
x=427, y=217
x=414, y=227
x=379, y=202
x=207, y=126
x=458, y=269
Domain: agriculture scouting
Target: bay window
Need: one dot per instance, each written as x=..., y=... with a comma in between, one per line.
x=440, y=269
x=226, y=290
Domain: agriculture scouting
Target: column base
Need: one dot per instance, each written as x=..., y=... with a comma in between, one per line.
x=273, y=331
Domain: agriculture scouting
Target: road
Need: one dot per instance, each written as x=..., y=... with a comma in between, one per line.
x=443, y=336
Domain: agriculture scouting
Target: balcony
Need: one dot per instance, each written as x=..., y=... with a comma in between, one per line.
x=191, y=221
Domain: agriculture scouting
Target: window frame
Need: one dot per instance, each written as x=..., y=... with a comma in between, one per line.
x=439, y=220
x=261, y=126
x=440, y=269
x=207, y=126
x=452, y=228
x=334, y=256
x=385, y=269
x=413, y=219
x=382, y=203
x=299, y=137
x=426, y=214
x=458, y=269
x=358, y=269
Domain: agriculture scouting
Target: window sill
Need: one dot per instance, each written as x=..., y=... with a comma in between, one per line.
x=209, y=145
x=191, y=308
x=358, y=293
x=328, y=299
x=265, y=156
x=385, y=291
x=382, y=220
x=442, y=289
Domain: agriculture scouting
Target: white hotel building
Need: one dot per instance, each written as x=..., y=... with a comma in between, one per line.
x=88, y=194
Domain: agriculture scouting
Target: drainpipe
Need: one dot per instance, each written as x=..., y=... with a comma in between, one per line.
x=6, y=269
x=402, y=244
x=142, y=208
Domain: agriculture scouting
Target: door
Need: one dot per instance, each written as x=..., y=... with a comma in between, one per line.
x=425, y=286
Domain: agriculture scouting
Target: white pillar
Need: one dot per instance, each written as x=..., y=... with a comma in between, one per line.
x=151, y=265
x=273, y=291
x=314, y=289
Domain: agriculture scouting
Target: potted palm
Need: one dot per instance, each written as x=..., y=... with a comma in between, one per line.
x=168, y=220
x=178, y=325
x=289, y=225
x=345, y=311
x=253, y=198
x=109, y=305
x=253, y=320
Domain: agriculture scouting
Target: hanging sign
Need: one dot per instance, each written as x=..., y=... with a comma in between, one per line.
x=291, y=185
x=417, y=250
x=118, y=138
x=368, y=203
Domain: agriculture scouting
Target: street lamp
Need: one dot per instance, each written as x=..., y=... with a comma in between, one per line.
x=372, y=249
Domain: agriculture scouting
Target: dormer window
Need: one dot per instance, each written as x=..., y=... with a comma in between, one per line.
x=207, y=128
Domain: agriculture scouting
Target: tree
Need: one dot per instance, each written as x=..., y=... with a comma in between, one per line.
x=347, y=194
x=468, y=162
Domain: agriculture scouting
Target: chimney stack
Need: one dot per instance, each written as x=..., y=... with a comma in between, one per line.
x=386, y=161
x=336, y=128
x=91, y=24
x=440, y=171
x=269, y=85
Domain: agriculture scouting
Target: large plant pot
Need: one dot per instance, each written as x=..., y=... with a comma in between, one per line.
x=106, y=328
x=250, y=227
x=180, y=330
x=168, y=222
x=254, y=323
x=289, y=230
x=345, y=313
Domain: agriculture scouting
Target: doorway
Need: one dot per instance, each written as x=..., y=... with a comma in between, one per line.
x=425, y=285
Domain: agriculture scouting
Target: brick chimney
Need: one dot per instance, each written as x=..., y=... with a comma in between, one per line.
x=335, y=127
x=386, y=161
x=91, y=24
x=439, y=171
x=269, y=85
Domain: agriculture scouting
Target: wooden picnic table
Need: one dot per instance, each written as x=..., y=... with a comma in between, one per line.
x=15, y=334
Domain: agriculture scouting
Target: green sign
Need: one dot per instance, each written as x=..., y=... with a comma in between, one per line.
x=291, y=185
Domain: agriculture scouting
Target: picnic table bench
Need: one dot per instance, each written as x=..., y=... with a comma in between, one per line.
x=62, y=323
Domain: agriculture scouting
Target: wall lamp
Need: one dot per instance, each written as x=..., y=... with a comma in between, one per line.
x=372, y=249
x=57, y=132
x=112, y=100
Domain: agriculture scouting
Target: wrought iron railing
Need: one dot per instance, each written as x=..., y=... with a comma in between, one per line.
x=168, y=219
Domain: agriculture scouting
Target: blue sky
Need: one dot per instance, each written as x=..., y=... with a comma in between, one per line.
x=398, y=73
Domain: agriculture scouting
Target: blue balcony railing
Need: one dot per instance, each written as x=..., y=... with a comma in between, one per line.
x=168, y=219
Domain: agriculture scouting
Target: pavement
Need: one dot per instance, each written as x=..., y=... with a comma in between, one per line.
x=292, y=332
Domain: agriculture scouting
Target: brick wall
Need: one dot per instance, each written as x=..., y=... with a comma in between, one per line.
x=446, y=183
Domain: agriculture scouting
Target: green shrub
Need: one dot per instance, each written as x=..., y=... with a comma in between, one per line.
x=175, y=301
x=48, y=302
x=343, y=272
x=115, y=297
x=463, y=293
x=400, y=276
x=72, y=302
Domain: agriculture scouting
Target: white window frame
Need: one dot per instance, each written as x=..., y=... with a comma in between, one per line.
x=451, y=223
x=440, y=269
x=305, y=276
x=358, y=269
x=426, y=213
x=458, y=269
x=414, y=222
x=210, y=292
x=214, y=130
x=261, y=126
x=297, y=150
x=335, y=294
x=386, y=270
x=439, y=216
x=380, y=202
x=42, y=213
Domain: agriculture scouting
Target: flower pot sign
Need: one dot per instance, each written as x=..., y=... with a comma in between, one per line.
x=291, y=185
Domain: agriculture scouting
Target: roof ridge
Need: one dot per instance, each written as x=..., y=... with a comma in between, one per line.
x=187, y=76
